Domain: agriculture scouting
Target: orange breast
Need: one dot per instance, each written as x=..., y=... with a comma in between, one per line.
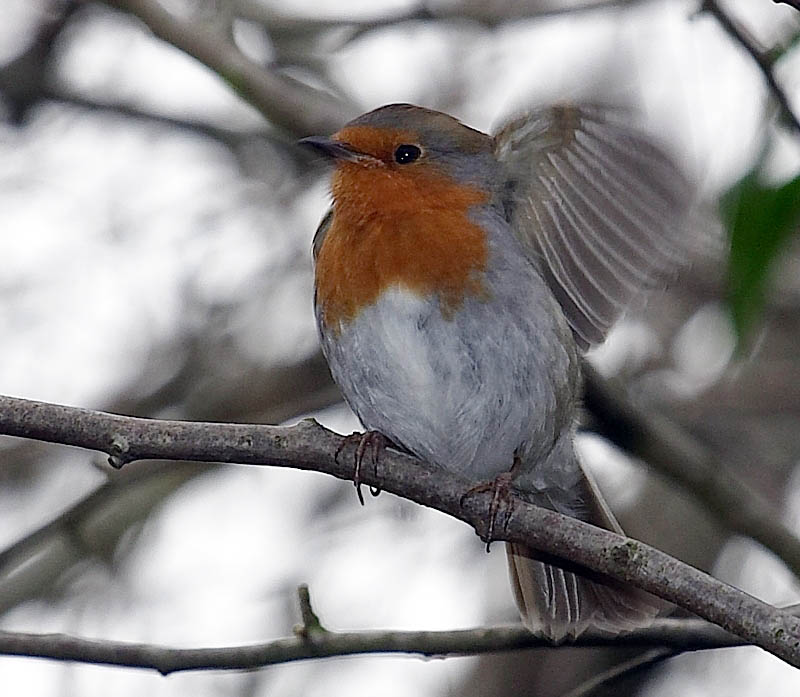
x=396, y=228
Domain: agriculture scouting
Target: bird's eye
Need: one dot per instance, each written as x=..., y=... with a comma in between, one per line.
x=406, y=154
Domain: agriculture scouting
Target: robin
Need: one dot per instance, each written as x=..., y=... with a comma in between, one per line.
x=458, y=277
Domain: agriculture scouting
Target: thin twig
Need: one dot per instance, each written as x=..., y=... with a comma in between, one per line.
x=761, y=58
x=676, y=635
x=309, y=446
x=311, y=629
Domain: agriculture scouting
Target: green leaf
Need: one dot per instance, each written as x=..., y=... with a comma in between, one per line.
x=760, y=218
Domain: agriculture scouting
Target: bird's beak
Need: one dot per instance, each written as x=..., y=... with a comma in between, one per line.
x=336, y=150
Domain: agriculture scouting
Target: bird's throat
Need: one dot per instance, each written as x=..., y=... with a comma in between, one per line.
x=425, y=243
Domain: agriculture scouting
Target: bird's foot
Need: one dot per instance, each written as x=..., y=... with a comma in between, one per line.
x=372, y=441
x=502, y=490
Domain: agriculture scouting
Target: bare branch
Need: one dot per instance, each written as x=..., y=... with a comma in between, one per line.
x=312, y=628
x=289, y=104
x=309, y=446
x=761, y=57
x=673, y=636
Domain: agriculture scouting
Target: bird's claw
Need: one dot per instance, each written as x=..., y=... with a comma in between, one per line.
x=375, y=442
x=501, y=488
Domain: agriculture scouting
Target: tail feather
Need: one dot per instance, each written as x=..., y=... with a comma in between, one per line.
x=557, y=602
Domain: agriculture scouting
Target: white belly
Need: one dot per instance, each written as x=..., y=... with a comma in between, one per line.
x=464, y=392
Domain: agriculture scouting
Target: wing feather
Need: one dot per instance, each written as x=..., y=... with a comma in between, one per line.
x=599, y=208
x=612, y=267
x=592, y=218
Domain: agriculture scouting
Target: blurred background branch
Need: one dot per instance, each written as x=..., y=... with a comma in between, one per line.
x=287, y=103
x=765, y=60
x=675, y=454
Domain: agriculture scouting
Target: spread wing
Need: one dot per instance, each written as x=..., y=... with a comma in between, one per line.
x=599, y=208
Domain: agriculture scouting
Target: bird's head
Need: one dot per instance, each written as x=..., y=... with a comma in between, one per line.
x=401, y=156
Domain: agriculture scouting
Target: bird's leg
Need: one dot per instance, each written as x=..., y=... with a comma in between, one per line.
x=375, y=442
x=502, y=490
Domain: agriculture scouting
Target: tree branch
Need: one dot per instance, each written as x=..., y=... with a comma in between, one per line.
x=671, y=451
x=762, y=58
x=309, y=446
x=289, y=104
x=672, y=635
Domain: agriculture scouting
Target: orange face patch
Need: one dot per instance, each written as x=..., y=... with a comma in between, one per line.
x=397, y=225
x=378, y=142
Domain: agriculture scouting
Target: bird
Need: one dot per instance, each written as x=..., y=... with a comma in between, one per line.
x=458, y=279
